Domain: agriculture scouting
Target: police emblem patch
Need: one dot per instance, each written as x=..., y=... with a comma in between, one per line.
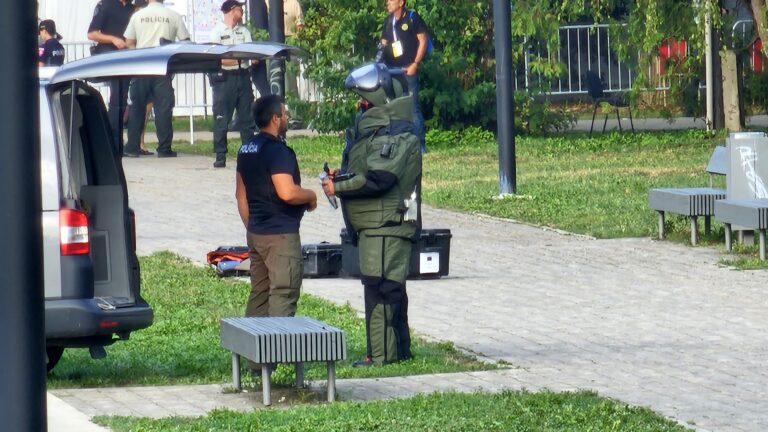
x=404, y=27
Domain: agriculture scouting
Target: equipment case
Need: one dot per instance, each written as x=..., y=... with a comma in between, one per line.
x=430, y=256
x=321, y=260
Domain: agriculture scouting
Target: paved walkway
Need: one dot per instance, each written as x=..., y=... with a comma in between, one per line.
x=651, y=323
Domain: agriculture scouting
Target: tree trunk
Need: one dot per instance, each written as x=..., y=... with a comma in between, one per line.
x=758, y=14
x=732, y=93
x=718, y=122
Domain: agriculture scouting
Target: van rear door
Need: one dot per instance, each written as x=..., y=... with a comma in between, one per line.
x=168, y=59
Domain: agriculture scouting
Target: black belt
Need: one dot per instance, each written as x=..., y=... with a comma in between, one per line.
x=234, y=71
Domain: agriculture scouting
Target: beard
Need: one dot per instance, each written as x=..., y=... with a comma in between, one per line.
x=282, y=130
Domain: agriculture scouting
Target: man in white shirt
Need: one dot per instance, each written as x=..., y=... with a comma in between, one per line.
x=145, y=29
x=232, y=85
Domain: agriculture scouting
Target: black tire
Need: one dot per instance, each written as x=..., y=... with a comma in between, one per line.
x=54, y=355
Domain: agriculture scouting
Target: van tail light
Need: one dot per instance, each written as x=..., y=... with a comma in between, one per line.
x=73, y=232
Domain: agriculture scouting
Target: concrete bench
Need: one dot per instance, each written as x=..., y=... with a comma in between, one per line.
x=749, y=213
x=275, y=340
x=691, y=202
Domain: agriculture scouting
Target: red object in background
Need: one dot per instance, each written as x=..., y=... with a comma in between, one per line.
x=756, y=51
x=671, y=50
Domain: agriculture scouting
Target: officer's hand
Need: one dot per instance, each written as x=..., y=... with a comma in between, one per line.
x=328, y=186
x=411, y=69
x=312, y=204
x=119, y=43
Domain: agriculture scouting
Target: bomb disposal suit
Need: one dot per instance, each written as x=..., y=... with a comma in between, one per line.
x=378, y=187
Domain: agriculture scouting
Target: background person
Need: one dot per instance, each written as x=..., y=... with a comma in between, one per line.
x=51, y=52
x=145, y=29
x=110, y=18
x=271, y=203
x=404, y=34
x=232, y=85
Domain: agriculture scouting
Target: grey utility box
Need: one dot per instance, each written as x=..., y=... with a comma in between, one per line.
x=747, y=166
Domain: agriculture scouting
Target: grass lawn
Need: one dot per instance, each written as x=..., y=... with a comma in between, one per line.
x=182, y=346
x=507, y=411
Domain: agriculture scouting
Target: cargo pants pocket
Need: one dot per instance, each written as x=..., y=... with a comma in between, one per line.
x=285, y=285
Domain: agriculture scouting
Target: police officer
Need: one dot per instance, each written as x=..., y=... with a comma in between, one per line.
x=51, y=52
x=404, y=34
x=379, y=190
x=110, y=18
x=145, y=29
x=271, y=203
x=232, y=85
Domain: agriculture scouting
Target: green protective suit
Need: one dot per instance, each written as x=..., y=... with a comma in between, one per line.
x=382, y=163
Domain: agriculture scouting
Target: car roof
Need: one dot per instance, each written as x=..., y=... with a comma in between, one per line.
x=168, y=59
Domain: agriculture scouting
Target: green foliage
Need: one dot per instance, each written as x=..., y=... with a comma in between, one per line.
x=456, y=79
x=532, y=117
x=182, y=346
x=450, y=412
x=756, y=90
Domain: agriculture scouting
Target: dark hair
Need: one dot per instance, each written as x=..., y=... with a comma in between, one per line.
x=265, y=108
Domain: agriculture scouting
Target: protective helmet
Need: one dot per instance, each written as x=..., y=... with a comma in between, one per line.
x=377, y=84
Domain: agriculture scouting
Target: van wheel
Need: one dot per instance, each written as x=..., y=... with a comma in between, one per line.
x=54, y=355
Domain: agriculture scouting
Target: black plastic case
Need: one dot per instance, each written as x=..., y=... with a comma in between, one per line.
x=430, y=256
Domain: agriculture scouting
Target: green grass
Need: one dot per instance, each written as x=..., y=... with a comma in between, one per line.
x=507, y=411
x=182, y=346
x=182, y=124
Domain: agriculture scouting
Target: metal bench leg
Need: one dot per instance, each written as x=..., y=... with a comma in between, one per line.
x=594, y=111
x=728, y=239
x=707, y=224
x=762, y=244
x=299, y=375
x=236, y=372
x=331, y=381
x=661, y=225
x=605, y=122
x=694, y=230
x=266, y=385
x=618, y=119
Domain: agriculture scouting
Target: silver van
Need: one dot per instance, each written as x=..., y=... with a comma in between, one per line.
x=91, y=273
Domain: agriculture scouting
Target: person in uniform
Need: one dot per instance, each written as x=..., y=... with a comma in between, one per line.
x=145, y=29
x=404, y=37
x=232, y=85
x=379, y=187
x=51, y=52
x=271, y=203
x=110, y=18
